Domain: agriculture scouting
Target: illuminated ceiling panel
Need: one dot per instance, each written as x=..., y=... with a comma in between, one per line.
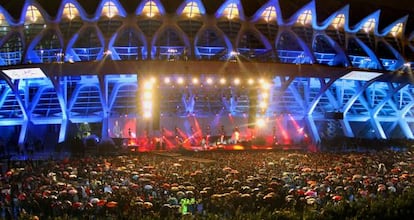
x=231, y=11
x=397, y=30
x=339, y=21
x=70, y=11
x=150, y=9
x=191, y=10
x=109, y=9
x=3, y=21
x=33, y=16
x=305, y=18
x=269, y=14
x=369, y=25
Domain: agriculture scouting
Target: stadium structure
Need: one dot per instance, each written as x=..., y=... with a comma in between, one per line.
x=192, y=74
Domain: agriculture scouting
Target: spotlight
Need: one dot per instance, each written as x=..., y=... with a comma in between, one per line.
x=147, y=85
x=209, y=81
x=261, y=80
x=180, y=80
x=107, y=52
x=167, y=80
x=250, y=81
x=195, y=81
x=260, y=122
x=234, y=53
x=222, y=81
x=236, y=81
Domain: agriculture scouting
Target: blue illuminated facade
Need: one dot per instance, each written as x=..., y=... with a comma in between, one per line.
x=96, y=66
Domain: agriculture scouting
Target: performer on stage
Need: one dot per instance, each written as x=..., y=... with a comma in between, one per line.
x=203, y=143
x=222, y=135
x=117, y=130
x=275, y=141
x=208, y=135
x=178, y=139
x=236, y=135
x=162, y=142
x=129, y=133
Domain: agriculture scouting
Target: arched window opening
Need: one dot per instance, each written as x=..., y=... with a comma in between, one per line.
x=191, y=10
x=269, y=14
x=150, y=9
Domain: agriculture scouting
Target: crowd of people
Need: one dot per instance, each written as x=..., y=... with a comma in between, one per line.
x=211, y=185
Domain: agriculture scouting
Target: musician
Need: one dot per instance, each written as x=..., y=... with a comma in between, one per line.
x=222, y=135
x=117, y=130
x=236, y=135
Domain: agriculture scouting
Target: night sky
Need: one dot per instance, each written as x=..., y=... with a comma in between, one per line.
x=391, y=10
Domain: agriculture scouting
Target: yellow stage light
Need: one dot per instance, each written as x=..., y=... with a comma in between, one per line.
x=147, y=114
x=147, y=85
x=250, y=81
x=147, y=104
x=180, y=80
x=263, y=105
x=147, y=95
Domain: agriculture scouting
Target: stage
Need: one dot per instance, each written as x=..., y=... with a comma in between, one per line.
x=218, y=147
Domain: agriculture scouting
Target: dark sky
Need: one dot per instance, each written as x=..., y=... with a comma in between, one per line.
x=391, y=10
